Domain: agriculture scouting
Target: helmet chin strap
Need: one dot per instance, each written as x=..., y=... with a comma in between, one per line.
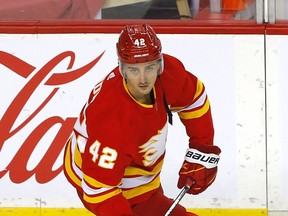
x=168, y=111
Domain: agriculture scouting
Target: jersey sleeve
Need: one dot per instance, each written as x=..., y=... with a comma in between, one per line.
x=98, y=159
x=101, y=194
x=197, y=118
x=187, y=96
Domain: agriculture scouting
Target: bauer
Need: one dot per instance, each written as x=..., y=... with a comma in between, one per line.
x=115, y=154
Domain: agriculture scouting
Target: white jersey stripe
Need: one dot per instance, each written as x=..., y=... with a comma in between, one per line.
x=200, y=102
x=136, y=181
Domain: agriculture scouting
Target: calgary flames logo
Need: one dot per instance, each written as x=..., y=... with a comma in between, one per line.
x=154, y=148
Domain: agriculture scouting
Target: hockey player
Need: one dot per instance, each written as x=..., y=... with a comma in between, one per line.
x=115, y=154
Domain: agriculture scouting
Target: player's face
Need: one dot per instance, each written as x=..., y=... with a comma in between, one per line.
x=141, y=77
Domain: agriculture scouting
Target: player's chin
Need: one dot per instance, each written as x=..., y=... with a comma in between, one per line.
x=145, y=89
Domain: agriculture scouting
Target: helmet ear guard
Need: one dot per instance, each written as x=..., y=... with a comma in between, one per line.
x=161, y=66
x=139, y=44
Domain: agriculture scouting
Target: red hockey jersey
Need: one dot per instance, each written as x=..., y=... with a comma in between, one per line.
x=117, y=148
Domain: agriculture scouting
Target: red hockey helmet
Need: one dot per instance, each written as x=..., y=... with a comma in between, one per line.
x=138, y=44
